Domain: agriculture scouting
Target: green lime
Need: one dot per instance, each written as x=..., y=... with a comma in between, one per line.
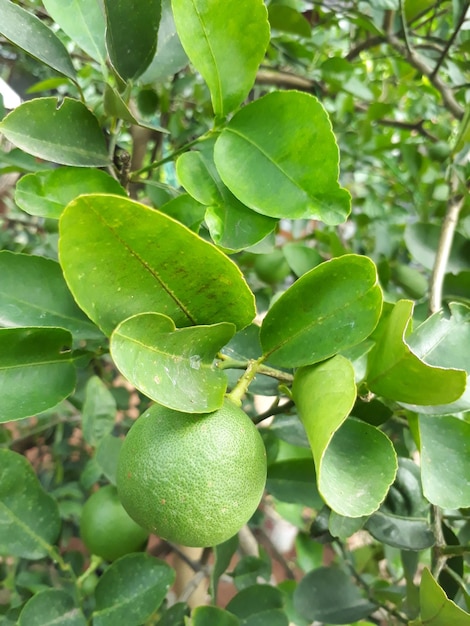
x=106, y=528
x=192, y=479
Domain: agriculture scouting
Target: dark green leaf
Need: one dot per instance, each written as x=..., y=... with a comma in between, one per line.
x=174, y=367
x=294, y=480
x=334, y=306
x=134, y=259
x=66, y=132
x=250, y=570
x=400, y=532
x=131, y=35
x=255, y=599
x=279, y=157
x=107, y=456
x=31, y=35
x=46, y=194
x=52, y=606
x=83, y=21
x=205, y=615
x=328, y=595
x=223, y=553
x=99, y=411
x=226, y=44
x=131, y=589
x=33, y=293
x=36, y=371
x=29, y=517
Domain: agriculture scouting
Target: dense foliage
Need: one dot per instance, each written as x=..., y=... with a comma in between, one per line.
x=262, y=200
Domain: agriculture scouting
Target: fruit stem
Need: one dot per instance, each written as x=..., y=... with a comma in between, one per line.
x=237, y=393
x=94, y=564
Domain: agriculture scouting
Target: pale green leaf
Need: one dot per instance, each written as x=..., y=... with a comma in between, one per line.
x=436, y=608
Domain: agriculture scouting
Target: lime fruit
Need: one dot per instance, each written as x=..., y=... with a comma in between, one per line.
x=194, y=479
x=106, y=529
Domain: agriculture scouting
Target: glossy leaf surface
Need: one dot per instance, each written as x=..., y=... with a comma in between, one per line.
x=66, y=133
x=33, y=292
x=394, y=371
x=332, y=307
x=33, y=36
x=46, y=194
x=51, y=606
x=131, y=589
x=174, y=367
x=278, y=156
x=83, y=21
x=36, y=371
x=226, y=44
x=29, y=517
x=121, y=258
x=131, y=34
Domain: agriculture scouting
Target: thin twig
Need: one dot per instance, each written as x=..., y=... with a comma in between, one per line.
x=451, y=41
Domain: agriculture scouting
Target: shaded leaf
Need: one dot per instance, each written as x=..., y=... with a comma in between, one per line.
x=46, y=194
x=332, y=307
x=255, y=599
x=131, y=34
x=99, y=411
x=422, y=240
x=400, y=532
x=51, y=606
x=294, y=480
x=395, y=372
x=29, y=517
x=36, y=371
x=33, y=293
x=66, y=133
x=107, y=456
x=31, y=35
x=131, y=589
x=174, y=367
x=115, y=106
x=134, y=259
x=213, y=615
x=226, y=44
x=223, y=553
x=290, y=173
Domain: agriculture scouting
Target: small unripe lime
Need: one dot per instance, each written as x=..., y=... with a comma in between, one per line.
x=106, y=529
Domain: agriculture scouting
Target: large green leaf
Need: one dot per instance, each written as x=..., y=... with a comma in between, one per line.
x=83, y=21
x=31, y=35
x=332, y=307
x=395, y=372
x=400, y=532
x=328, y=595
x=174, y=367
x=444, y=341
x=66, y=132
x=29, y=517
x=51, y=606
x=121, y=258
x=445, y=460
x=278, y=156
x=231, y=224
x=46, y=194
x=33, y=293
x=131, y=34
x=436, y=608
x=226, y=43
x=36, y=371
x=131, y=589
x=355, y=462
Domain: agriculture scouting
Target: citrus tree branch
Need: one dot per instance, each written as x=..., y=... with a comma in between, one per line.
x=451, y=40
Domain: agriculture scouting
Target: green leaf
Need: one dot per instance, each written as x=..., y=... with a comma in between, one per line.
x=131, y=589
x=255, y=599
x=46, y=194
x=174, y=367
x=121, y=258
x=115, y=106
x=66, y=132
x=400, y=532
x=33, y=293
x=294, y=480
x=300, y=257
x=231, y=224
x=223, y=553
x=445, y=460
x=395, y=372
x=107, y=456
x=279, y=157
x=250, y=570
x=422, y=240
x=343, y=527
x=273, y=617
x=99, y=411
x=29, y=517
x=51, y=606
x=226, y=44
x=31, y=35
x=36, y=371
x=328, y=595
x=443, y=341
x=288, y=20
x=131, y=35
x=83, y=21
x=436, y=608
x=334, y=306
x=355, y=462
x=185, y=210
x=204, y=615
